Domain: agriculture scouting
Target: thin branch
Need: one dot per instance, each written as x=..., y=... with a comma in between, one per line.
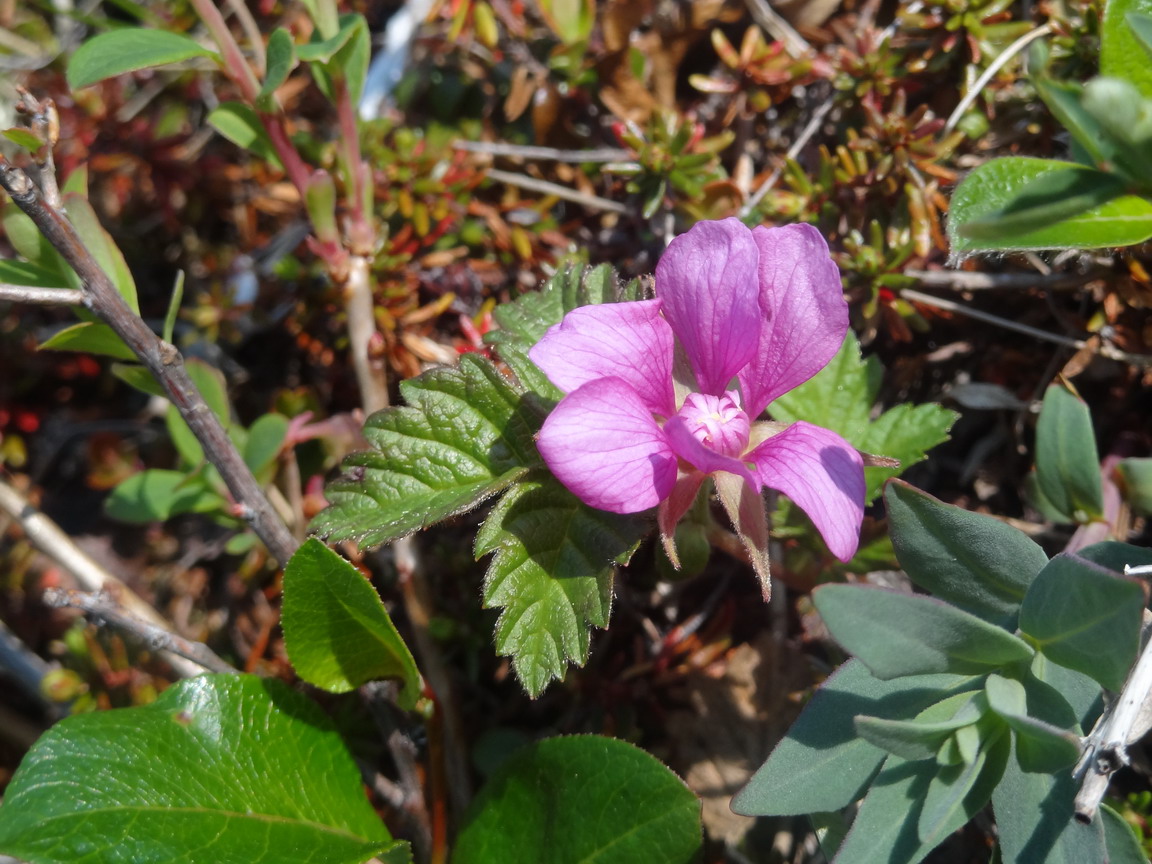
x=772, y=21
x=995, y=66
x=545, y=188
x=45, y=123
x=962, y=280
x=101, y=607
x=41, y=296
x=525, y=151
x=1103, y=349
x=799, y=144
x=46, y=536
x=162, y=359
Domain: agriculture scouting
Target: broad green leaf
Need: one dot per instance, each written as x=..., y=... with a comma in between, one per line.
x=91, y=338
x=102, y=247
x=1115, y=556
x=1137, y=478
x=885, y=825
x=138, y=377
x=1126, y=117
x=30, y=244
x=210, y=382
x=1092, y=145
x=921, y=738
x=1123, y=221
x=1085, y=617
x=822, y=765
x=1121, y=53
x=959, y=792
x=281, y=60
x=1081, y=693
x=841, y=396
x=524, y=321
x=27, y=273
x=974, y=562
x=241, y=125
x=552, y=573
x=1050, y=198
x=1040, y=746
x=1034, y=819
x=897, y=634
x=581, y=799
x=336, y=631
x=265, y=438
x=1121, y=841
x=128, y=50
x=24, y=138
x=571, y=20
x=1067, y=465
x=218, y=770
x=465, y=435
x=157, y=494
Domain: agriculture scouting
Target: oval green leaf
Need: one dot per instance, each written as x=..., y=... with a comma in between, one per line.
x=1067, y=465
x=580, y=799
x=127, y=50
x=218, y=770
x=336, y=631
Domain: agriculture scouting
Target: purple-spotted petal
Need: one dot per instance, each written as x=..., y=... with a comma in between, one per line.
x=629, y=341
x=707, y=279
x=689, y=448
x=823, y=474
x=602, y=443
x=800, y=294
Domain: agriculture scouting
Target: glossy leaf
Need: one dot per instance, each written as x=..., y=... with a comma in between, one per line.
x=241, y=125
x=464, y=436
x=1067, y=466
x=90, y=338
x=552, y=575
x=336, y=631
x=102, y=247
x=127, y=50
x=898, y=634
x=841, y=396
x=218, y=770
x=1034, y=819
x=975, y=562
x=1084, y=616
x=822, y=764
x=27, y=273
x=265, y=438
x=137, y=376
x=580, y=799
x=157, y=494
x=1123, y=221
x=1121, y=53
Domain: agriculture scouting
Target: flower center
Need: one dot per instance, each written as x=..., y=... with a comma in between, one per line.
x=718, y=422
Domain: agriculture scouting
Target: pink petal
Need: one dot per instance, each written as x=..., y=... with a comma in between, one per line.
x=823, y=474
x=707, y=280
x=801, y=296
x=602, y=443
x=629, y=341
x=689, y=448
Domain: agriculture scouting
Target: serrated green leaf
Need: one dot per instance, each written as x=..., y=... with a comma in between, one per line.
x=1085, y=617
x=898, y=634
x=157, y=494
x=1121, y=53
x=974, y=562
x=210, y=382
x=1067, y=465
x=1034, y=819
x=336, y=631
x=241, y=125
x=218, y=770
x=1123, y=221
x=27, y=273
x=822, y=765
x=90, y=338
x=552, y=573
x=580, y=799
x=280, y=63
x=128, y=50
x=841, y=396
x=465, y=435
x=102, y=247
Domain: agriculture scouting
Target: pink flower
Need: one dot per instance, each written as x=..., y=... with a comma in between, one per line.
x=661, y=393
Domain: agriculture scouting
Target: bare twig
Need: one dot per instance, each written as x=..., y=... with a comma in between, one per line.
x=41, y=296
x=545, y=188
x=799, y=144
x=50, y=541
x=525, y=151
x=101, y=607
x=162, y=359
x=962, y=280
x=1103, y=349
x=45, y=123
